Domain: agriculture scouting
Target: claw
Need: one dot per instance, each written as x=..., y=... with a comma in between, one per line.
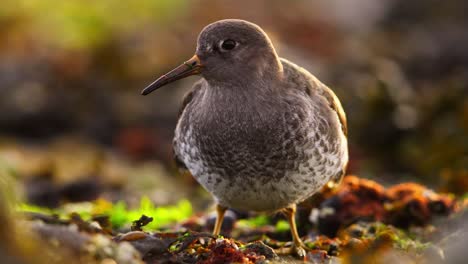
x=294, y=250
x=299, y=251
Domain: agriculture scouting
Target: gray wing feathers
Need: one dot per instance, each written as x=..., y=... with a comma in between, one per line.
x=188, y=97
x=313, y=87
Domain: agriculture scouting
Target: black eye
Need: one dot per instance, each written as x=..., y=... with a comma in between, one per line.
x=228, y=44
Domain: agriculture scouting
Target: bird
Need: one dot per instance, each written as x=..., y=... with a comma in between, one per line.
x=257, y=131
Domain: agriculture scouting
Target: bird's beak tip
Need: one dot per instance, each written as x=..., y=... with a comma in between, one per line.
x=190, y=67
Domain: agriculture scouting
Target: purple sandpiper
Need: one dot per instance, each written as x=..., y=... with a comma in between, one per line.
x=256, y=131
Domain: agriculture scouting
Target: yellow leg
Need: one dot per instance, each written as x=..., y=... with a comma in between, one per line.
x=220, y=210
x=298, y=247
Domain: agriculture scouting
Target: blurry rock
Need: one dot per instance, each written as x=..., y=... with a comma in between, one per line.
x=66, y=237
x=149, y=246
x=317, y=256
x=370, y=242
x=63, y=242
x=42, y=191
x=452, y=248
x=414, y=204
x=101, y=248
x=259, y=247
x=356, y=199
x=434, y=254
x=83, y=190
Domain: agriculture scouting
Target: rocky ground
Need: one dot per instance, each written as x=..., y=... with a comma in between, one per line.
x=358, y=222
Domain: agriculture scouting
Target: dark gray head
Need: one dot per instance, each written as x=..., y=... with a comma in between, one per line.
x=228, y=51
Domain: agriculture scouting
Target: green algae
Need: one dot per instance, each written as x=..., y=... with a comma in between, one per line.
x=120, y=215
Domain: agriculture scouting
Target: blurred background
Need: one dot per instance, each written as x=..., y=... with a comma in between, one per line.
x=74, y=127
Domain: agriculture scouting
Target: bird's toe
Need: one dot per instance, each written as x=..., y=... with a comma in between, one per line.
x=299, y=251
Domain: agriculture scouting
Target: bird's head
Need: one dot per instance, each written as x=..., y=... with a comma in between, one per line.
x=228, y=51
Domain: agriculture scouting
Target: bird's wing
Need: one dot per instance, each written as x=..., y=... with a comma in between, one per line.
x=188, y=97
x=313, y=87
x=335, y=104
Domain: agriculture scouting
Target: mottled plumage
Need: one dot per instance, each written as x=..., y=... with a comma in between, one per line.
x=258, y=132
x=258, y=151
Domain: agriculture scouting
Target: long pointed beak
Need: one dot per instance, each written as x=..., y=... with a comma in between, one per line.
x=190, y=67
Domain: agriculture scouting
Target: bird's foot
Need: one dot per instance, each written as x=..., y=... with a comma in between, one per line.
x=297, y=250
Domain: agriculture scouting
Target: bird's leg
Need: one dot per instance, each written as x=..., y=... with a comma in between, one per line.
x=220, y=210
x=298, y=246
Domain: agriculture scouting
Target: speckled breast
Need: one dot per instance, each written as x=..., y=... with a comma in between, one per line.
x=261, y=163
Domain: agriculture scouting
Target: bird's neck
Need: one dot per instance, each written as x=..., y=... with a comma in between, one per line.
x=261, y=77
x=238, y=94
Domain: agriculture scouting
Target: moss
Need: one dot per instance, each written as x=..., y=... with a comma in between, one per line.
x=119, y=214
x=282, y=226
x=255, y=222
